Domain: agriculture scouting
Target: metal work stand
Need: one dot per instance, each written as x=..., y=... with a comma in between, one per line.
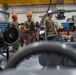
x=7, y=53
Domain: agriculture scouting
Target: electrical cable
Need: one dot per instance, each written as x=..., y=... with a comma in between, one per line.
x=74, y=2
x=43, y=18
x=49, y=6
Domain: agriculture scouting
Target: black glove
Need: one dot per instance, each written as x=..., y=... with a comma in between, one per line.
x=32, y=27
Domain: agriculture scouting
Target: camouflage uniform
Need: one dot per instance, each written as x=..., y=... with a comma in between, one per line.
x=14, y=24
x=49, y=26
x=30, y=36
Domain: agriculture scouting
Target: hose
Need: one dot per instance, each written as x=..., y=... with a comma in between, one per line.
x=43, y=18
x=74, y=2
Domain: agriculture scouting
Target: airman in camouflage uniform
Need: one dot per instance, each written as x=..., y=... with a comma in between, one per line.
x=14, y=24
x=50, y=28
x=29, y=26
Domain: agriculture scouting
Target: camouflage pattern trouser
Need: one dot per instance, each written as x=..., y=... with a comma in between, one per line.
x=16, y=46
x=22, y=41
x=30, y=38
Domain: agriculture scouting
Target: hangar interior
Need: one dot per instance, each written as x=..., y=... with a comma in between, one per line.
x=37, y=35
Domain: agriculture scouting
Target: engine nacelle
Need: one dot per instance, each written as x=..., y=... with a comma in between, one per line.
x=12, y=35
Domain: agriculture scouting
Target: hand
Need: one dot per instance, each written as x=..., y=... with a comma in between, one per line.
x=36, y=28
x=56, y=33
x=27, y=29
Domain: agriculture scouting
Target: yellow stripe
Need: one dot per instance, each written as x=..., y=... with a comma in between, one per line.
x=1, y=1
x=28, y=1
